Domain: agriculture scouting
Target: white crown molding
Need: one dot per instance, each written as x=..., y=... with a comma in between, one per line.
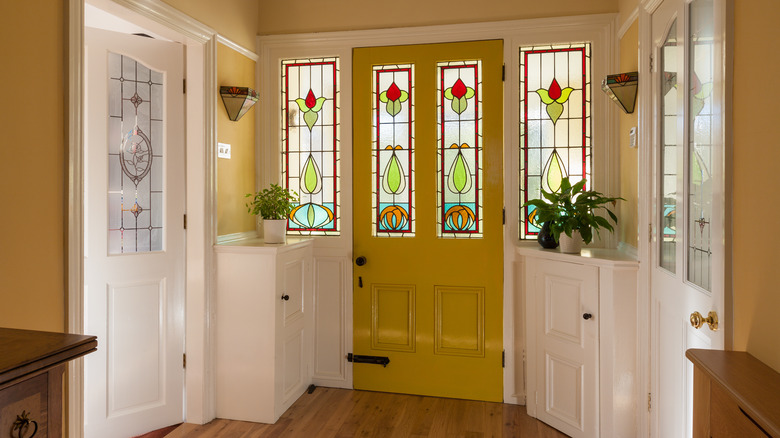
x=171, y=18
x=237, y=47
x=440, y=33
x=650, y=5
x=632, y=17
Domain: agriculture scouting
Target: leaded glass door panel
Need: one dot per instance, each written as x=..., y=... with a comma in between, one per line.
x=427, y=169
x=134, y=236
x=688, y=270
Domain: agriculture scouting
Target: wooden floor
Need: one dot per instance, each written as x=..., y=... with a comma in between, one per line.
x=330, y=412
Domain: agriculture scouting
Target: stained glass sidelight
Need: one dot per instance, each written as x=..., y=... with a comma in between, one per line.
x=669, y=107
x=393, y=151
x=310, y=143
x=700, y=145
x=555, y=124
x=135, y=157
x=459, y=111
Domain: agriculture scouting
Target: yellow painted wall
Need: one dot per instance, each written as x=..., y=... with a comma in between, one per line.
x=235, y=19
x=282, y=16
x=756, y=197
x=33, y=186
x=628, y=210
x=235, y=176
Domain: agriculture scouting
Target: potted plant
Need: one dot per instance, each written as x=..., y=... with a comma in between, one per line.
x=571, y=214
x=274, y=205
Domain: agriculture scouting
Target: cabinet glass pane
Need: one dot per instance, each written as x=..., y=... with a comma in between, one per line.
x=135, y=157
x=668, y=131
x=700, y=144
x=393, y=151
x=310, y=143
x=459, y=176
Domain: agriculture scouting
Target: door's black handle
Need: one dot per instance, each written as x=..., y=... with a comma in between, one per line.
x=586, y=316
x=360, y=261
x=285, y=297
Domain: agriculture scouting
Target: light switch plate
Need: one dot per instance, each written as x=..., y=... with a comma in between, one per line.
x=223, y=150
x=632, y=137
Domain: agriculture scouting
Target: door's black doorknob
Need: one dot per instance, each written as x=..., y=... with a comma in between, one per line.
x=285, y=297
x=587, y=316
x=360, y=261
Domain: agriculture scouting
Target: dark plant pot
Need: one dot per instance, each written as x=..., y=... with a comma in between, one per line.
x=545, y=237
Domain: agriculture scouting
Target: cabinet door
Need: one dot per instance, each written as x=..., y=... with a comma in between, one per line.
x=566, y=305
x=291, y=343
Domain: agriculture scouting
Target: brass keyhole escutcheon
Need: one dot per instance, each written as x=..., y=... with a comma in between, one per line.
x=697, y=320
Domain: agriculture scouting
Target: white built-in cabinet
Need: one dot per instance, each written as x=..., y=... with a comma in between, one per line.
x=582, y=341
x=264, y=323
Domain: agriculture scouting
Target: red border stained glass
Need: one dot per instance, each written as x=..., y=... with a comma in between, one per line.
x=459, y=115
x=393, y=151
x=310, y=143
x=555, y=121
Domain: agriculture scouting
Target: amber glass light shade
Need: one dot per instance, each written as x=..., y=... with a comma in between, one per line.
x=238, y=100
x=622, y=89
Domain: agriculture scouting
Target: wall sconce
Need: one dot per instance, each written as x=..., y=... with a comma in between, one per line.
x=622, y=89
x=238, y=100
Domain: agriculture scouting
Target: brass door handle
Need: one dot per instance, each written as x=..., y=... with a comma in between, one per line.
x=712, y=320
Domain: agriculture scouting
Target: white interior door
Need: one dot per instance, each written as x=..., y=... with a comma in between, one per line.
x=566, y=300
x=688, y=248
x=134, y=236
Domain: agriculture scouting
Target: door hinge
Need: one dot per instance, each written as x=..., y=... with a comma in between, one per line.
x=503, y=216
x=503, y=73
x=184, y=360
x=184, y=86
x=185, y=221
x=650, y=232
x=503, y=359
x=649, y=402
x=651, y=63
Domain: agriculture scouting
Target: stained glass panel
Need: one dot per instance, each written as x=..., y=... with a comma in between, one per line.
x=459, y=112
x=393, y=151
x=700, y=145
x=555, y=124
x=135, y=157
x=669, y=106
x=310, y=143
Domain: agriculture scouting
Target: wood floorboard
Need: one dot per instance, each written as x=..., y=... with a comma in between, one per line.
x=342, y=413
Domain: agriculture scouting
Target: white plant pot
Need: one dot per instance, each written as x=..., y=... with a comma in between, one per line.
x=571, y=245
x=275, y=231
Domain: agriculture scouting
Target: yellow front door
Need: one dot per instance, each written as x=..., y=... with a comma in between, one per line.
x=428, y=179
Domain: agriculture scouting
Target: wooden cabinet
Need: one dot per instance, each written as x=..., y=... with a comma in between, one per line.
x=264, y=325
x=734, y=395
x=581, y=343
x=31, y=367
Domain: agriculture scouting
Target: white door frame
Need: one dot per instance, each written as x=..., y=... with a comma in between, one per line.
x=645, y=187
x=200, y=44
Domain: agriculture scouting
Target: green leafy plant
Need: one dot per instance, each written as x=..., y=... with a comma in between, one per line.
x=572, y=208
x=273, y=203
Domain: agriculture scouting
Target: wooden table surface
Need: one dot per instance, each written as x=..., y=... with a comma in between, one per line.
x=754, y=385
x=24, y=352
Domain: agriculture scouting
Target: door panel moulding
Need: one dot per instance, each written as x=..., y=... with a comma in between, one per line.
x=599, y=29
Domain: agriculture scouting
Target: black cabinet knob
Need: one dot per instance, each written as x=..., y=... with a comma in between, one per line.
x=360, y=261
x=285, y=297
x=587, y=316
